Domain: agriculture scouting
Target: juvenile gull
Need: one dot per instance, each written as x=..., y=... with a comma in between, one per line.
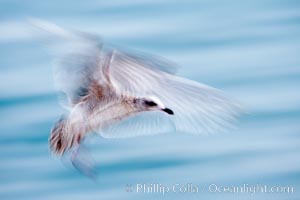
x=106, y=87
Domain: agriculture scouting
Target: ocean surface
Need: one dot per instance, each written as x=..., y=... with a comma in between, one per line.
x=249, y=49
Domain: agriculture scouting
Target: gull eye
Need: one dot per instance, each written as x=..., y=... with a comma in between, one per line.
x=150, y=103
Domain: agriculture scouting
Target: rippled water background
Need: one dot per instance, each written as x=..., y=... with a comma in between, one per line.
x=250, y=49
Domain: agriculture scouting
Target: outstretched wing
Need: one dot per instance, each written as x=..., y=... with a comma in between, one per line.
x=79, y=59
x=198, y=108
x=76, y=70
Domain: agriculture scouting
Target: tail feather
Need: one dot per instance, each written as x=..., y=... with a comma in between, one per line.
x=60, y=139
x=56, y=141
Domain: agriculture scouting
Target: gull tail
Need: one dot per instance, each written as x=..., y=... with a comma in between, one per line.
x=56, y=140
x=61, y=139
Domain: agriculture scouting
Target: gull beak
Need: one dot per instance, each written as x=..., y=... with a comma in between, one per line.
x=169, y=111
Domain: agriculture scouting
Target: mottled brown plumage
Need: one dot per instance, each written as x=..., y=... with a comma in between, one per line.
x=99, y=108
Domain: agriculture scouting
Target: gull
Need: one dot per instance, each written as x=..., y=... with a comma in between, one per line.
x=118, y=94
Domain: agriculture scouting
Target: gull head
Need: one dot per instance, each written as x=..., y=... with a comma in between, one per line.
x=152, y=103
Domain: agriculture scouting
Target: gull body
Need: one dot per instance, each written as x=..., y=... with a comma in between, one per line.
x=98, y=109
x=105, y=87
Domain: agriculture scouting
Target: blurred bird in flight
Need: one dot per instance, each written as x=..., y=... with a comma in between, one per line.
x=119, y=94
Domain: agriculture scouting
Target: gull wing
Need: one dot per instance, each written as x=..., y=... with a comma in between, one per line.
x=198, y=108
x=79, y=60
x=77, y=69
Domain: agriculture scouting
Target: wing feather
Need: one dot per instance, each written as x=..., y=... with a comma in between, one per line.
x=198, y=108
x=79, y=60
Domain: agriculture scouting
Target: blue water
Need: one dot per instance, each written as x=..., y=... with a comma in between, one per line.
x=249, y=49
